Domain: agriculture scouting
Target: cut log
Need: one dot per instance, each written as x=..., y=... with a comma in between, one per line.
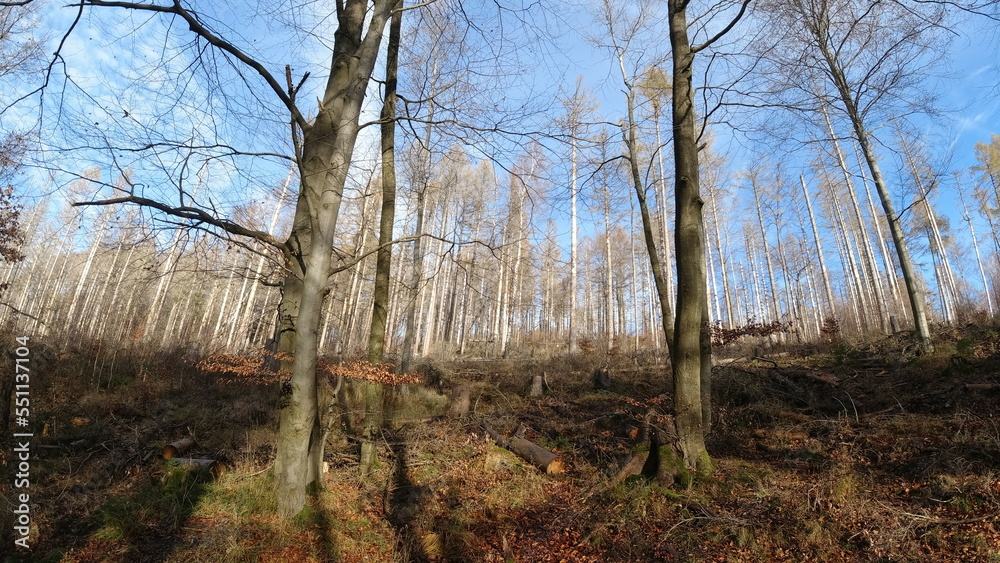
x=534, y=454
x=536, y=389
x=981, y=386
x=212, y=465
x=538, y=456
x=175, y=449
x=459, y=406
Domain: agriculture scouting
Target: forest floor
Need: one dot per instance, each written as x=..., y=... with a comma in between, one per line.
x=833, y=452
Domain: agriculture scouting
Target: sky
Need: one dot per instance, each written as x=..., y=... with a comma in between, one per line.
x=122, y=88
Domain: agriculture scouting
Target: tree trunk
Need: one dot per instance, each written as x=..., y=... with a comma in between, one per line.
x=632, y=145
x=327, y=149
x=895, y=227
x=690, y=346
x=574, y=234
x=775, y=306
x=383, y=259
x=819, y=251
x=967, y=217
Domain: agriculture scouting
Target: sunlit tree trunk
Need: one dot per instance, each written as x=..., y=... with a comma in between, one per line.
x=967, y=217
x=775, y=306
x=863, y=138
x=824, y=272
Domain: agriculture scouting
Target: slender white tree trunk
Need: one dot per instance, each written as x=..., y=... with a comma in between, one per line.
x=824, y=272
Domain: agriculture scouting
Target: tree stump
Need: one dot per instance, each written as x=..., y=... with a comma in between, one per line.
x=460, y=399
x=602, y=379
x=536, y=390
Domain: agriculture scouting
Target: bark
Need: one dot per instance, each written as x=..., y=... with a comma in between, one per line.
x=967, y=217
x=536, y=389
x=327, y=149
x=70, y=317
x=691, y=345
x=538, y=456
x=869, y=270
x=819, y=251
x=609, y=330
x=775, y=306
x=412, y=328
x=648, y=229
x=383, y=260
x=213, y=466
x=890, y=269
x=574, y=234
x=460, y=401
x=175, y=449
x=376, y=340
x=244, y=337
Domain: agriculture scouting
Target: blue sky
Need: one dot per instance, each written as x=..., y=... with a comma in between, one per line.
x=121, y=74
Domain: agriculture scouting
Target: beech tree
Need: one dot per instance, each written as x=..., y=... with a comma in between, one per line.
x=323, y=148
x=691, y=355
x=688, y=337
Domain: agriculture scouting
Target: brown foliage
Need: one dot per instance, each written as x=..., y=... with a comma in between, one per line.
x=722, y=335
x=374, y=373
x=253, y=368
x=244, y=368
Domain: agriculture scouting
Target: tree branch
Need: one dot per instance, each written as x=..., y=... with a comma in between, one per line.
x=194, y=214
x=199, y=29
x=15, y=309
x=743, y=9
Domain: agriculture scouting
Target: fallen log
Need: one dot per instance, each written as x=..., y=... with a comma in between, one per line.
x=534, y=454
x=212, y=465
x=175, y=449
x=538, y=456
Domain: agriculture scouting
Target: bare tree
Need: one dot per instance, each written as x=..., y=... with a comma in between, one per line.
x=871, y=57
x=323, y=150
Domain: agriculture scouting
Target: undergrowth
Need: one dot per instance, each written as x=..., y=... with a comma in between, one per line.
x=845, y=451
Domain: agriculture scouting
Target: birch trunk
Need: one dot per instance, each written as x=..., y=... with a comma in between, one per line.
x=967, y=217
x=824, y=272
x=895, y=228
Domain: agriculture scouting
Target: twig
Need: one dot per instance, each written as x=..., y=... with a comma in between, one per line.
x=261, y=471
